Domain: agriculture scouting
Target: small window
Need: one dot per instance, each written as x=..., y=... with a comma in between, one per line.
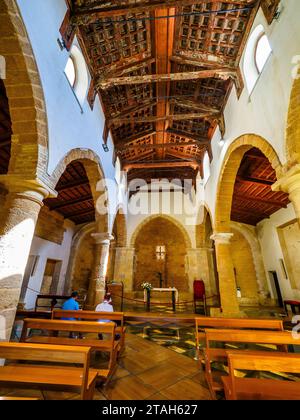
x=257, y=52
x=263, y=51
x=206, y=168
x=77, y=74
x=70, y=71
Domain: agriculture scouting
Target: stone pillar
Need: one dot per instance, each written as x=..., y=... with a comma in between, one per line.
x=227, y=285
x=97, y=283
x=290, y=183
x=124, y=261
x=18, y=218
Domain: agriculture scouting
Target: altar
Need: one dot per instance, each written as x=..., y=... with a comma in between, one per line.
x=172, y=290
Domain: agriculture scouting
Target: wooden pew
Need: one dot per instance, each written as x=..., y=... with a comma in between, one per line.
x=232, y=323
x=117, y=317
x=53, y=374
x=279, y=339
x=253, y=388
x=53, y=327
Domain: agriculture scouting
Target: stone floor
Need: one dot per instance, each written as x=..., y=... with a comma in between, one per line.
x=146, y=371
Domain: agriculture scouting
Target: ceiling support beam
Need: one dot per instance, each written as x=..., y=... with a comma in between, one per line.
x=222, y=73
x=246, y=197
x=153, y=119
x=86, y=15
x=251, y=180
x=127, y=165
x=160, y=145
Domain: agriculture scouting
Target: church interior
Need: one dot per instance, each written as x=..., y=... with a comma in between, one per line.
x=149, y=159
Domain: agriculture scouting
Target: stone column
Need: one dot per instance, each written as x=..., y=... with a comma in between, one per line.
x=97, y=283
x=227, y=285
x=124, y=261
x=290, y=183
x=18, y=218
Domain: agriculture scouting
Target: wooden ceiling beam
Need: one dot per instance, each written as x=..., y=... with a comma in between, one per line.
x=73, y=202
x=78, y=183
x=174, y=117
x=221, y=73
x=84, y=15
x=80, y=213
x=159, y=145
x=127, y=165
x=252, y=198
x=186, y=103
x=202, y=140
x=253, y=180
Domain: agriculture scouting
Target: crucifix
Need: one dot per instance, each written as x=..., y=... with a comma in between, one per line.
x=161, y=257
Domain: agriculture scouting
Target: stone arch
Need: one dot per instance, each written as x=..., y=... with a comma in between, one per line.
x=249, y=234
x=120, y=228
x=204, y=218
x=188, y=242
x=174, y=267
x=25, y=96
x=77, y=241
x=293, y=124
x=95, y=174
x=231, y=164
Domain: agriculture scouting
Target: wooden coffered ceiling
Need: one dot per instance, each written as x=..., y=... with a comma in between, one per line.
x=5, y=130
x=74, y=200
x=163, y=70
x=253, y=198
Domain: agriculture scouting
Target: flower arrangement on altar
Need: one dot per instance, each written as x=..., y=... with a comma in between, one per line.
x=147, y=286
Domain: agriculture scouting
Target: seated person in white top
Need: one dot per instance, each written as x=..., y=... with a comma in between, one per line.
x=106, y=306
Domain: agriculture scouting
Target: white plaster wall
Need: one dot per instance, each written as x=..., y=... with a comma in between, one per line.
x=180, y=207
x=68, y=127
x=271, y=249
x=48, y=250
x=264, y=113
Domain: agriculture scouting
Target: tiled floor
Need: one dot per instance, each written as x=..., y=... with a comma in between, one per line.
x=145, y=371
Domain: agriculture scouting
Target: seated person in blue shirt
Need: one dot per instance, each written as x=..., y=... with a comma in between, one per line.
x=71, y=305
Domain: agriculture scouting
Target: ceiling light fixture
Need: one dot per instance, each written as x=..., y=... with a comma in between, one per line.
x=222, y=142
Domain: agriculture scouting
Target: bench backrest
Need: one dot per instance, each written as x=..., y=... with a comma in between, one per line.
x=270, y=362
x=250, y=336
x=89, y=315
x=69, y=326
x=239, y=323
x=48, y=353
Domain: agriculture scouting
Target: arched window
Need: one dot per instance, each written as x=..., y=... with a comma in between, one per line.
x=206, y=168
x=257, y=52
x=262, y=53
x=77, y=74
x=70, y=71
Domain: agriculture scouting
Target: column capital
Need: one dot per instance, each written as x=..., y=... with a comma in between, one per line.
x=102, y=238
x=222, y=238
x=290, y=182
x=34, y=189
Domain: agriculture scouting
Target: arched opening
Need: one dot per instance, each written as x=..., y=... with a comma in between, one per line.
x=25, y=96
x=244, y=269
x=245, y=196
x=160, y=250
x=60, y=218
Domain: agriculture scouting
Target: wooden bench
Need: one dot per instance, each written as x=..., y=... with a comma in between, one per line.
x=117, y=317
x=232, y=323
x=53, y=327
x=253, y=388
x=52, y=374
x=279, y=340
